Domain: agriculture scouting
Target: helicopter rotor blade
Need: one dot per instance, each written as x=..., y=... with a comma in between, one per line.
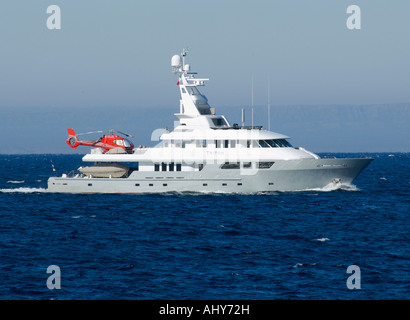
x=125, y=134
x=80, y=134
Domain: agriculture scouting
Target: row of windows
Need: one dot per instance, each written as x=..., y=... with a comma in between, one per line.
x=227, y=165
x=237, y=165
x=204, y=184
x=277, y=143
x=274, y=143
x=171, y=167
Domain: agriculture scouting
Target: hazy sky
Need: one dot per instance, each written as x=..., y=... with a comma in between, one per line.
x=117, y=53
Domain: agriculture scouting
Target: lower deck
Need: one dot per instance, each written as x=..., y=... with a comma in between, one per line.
x=282, y=175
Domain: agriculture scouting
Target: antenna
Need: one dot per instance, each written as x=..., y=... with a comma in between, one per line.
x=268, y=103
x=184, y=52
x=243, y=117
x=178, y=65
x=252, y=102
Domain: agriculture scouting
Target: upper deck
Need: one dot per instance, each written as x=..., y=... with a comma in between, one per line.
x=202, y=134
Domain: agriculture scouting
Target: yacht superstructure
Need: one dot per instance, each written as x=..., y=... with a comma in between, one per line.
x=205, y=153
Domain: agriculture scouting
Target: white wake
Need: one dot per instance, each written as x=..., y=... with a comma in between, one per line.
x=24, y=190
x=335, y=186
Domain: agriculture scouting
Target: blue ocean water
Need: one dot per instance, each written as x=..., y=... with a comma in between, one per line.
x=295, y=245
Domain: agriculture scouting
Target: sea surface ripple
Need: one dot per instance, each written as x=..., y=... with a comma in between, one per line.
x=295, y=245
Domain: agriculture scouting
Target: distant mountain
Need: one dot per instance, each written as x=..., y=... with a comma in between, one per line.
x=338, y=128
x=334, y=128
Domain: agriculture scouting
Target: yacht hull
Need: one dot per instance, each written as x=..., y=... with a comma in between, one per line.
x=283, y=175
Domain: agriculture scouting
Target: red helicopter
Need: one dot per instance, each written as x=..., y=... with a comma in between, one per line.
x=107, y=141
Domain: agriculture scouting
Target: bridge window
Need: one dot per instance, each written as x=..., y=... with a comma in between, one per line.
x=228, y=165
x=265, y=165
x=264, y=144
x=193, y=90
x=247, y=164
x=281, y=143
x=272, y=143
x=219, y=122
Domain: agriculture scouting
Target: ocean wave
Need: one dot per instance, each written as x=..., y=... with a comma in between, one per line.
x=24, y=190
x=15, y=181
x=322, y=239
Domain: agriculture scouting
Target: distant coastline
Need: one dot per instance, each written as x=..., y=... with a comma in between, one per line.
x=320, y=128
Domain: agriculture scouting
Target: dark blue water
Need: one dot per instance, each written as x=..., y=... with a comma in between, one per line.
x=190, y=246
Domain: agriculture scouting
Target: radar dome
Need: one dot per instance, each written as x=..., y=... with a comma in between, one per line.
x=176, y=61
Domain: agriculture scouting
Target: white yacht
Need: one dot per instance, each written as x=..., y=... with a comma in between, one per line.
x=205, y=153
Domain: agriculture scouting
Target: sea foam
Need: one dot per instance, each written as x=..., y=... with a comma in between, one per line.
x=24, y=190
x=335, y=186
